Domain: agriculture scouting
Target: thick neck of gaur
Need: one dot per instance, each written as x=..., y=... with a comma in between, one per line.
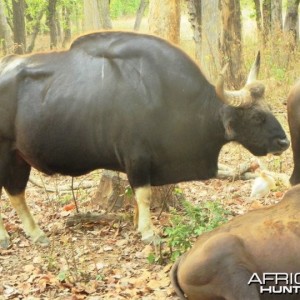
x=213, y=115
x=212, y=128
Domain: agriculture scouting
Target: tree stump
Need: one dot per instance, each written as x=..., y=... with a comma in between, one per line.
x=114, y=193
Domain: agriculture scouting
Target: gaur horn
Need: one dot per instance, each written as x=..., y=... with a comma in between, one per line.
x=241, y=97
x=233, y=98
x=253, y=74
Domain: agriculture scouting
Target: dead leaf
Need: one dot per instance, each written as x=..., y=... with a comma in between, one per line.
x=153, y=284
x=278, y=194
x=69, y=207
x=255, y=205
x=29, y=268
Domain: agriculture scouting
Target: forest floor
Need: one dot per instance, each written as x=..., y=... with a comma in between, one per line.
x=108, y=260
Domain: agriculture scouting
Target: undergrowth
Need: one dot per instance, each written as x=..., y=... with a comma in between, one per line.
x=192, y=222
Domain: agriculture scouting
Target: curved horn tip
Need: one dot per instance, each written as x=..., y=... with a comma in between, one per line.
x=257, y=60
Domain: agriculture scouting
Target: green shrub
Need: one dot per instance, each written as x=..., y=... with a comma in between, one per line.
x=194, y=221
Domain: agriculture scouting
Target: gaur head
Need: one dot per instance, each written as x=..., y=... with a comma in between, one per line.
x=247, y=118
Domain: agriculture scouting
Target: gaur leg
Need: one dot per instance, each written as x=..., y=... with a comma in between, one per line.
x=5, y=147
x=15, y=184
x=217, y=268
x=145, y=226
x=138, y=172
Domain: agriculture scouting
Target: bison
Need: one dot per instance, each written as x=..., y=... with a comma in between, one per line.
x=254, y=256
x=126, y=102
x=293, y=109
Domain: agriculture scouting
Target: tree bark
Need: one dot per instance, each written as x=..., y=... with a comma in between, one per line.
x=231, y=41
x=35, y=32
x=266, y=11
x=291, y=23
x=19, y=26
x=67, y=26
x=164, y=19
x=104, y=13
x=139, y=14
x=91, y=15
x=276, y=16
x=52, y=23
x=211, y=31
x=5, y=32
x=258, y=19
x=195, y=18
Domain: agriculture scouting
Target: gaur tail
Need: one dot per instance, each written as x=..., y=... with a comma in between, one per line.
x=174, y=280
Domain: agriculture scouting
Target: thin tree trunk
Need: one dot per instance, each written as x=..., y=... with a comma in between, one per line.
x=5, y=32
x=291, y=23
x=19, y=26
x=258, y=19
x=266, y=10
x=35, y=32
x=276, y=16
x=104, y=12
x=52, y=23
x=139, y=14
x=67, y=26
x=231, y=41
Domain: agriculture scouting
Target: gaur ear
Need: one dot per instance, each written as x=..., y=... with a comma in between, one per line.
x=227, y=114
x=257, y=90
x=229, y=132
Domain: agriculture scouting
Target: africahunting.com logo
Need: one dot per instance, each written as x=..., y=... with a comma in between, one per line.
x=277, y=283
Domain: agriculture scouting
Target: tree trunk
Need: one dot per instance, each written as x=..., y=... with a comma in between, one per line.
x=5, y=32
x=35, y=32
x=291, y=23
x=276, y=16
x=164, y=19
x=266, y=12
x=52, y=23
x=231, y=41
x=210, y=43
x=91, y=15
x=195, y=18
x=104, y=13
x=204, y=16
x=139, y=14
x=19, y=26
x=258, y=19
x=67, y=26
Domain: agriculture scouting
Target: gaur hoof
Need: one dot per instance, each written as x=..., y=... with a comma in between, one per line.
x=42, y=241
x=4, y=243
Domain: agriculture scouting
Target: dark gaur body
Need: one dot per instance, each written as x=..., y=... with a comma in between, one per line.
x=222, y=261
x=293, y=108
x=127, y=102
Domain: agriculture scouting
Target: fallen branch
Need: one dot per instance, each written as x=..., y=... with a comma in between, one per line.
x=93, y=218
x=62, y=188
x=246, y=171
